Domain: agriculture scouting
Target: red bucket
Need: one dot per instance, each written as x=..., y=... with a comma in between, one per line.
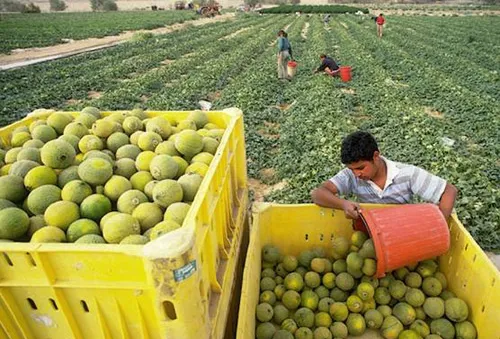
x=291, y=68
x=406, y=234
x=345, y=73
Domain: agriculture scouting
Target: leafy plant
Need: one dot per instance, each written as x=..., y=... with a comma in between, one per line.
x=406, y=90
x=96, y=4
x=142, y=36
x=103, y=5
x=31, y=8
x=11, y=6
x=284, y=9
x=109, y=5
x=23, y=31
x=57, y=5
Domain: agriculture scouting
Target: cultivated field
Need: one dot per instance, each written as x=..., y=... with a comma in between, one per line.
x=429, y=91
x=46, y=29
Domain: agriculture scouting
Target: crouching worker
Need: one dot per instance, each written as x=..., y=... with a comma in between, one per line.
x=328, y=65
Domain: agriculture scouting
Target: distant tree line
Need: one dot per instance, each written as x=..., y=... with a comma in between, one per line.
x=17, y=6
x=103, y=5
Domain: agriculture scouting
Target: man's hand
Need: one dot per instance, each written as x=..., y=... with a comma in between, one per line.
x=448, y=200
x=326, y=195
x=351, y=209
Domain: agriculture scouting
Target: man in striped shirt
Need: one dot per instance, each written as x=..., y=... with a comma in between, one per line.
x=375, y=179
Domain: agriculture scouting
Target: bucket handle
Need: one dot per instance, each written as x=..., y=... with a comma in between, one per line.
x=360, y=224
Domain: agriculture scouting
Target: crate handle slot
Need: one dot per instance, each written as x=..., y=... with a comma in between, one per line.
x=466, y=246
x=54, y=305
x=32, y=304
x=30, y=258
x=483, y=308
x=493, y=282
x=169, y=309
x=84, y=305
x=7, y=259
x=307, y=237
x=321, y=237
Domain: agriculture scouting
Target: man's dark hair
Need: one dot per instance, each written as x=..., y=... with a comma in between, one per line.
x=358, y=146
x=322, y=56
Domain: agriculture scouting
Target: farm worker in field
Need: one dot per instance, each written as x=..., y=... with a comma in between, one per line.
x=283, y=55
x=373, y=178
x=285, y=34
x=380, y=24
x=326, y=19
x=328, y=65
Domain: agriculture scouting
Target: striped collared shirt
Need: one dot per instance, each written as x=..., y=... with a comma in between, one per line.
x=403, y=183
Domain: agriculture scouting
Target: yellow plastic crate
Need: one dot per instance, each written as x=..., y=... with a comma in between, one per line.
x=178, y=286
x=295, y=228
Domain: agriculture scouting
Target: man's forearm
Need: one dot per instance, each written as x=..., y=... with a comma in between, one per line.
x=448, y=200
x=324, y=198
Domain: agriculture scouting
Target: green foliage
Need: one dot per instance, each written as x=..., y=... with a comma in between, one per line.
x=406, y=89
x=11, y=6
x=13, y=32
x=103, y=5
x=284, y=9
x=142, y=36
x=109, y=5
x=31, y=8
x=96, y=4
x=57, y=5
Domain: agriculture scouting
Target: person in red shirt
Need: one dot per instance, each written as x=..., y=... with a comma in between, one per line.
x=380, y=24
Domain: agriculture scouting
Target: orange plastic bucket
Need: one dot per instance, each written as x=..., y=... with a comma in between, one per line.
x=345, y=73
x=291, y=68
x=406, y=234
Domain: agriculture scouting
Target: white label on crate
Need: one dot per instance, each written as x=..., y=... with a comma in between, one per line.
x=185, y=272
x=44, y=319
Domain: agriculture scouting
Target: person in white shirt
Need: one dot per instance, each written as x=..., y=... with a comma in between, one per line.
x=375, y=179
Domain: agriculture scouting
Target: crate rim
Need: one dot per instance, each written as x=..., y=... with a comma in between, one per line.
x=259, y=207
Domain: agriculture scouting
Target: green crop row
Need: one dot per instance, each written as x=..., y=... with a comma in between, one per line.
x=408, y=89
x=66, y=82
x=286, y=9
x=45, y=29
